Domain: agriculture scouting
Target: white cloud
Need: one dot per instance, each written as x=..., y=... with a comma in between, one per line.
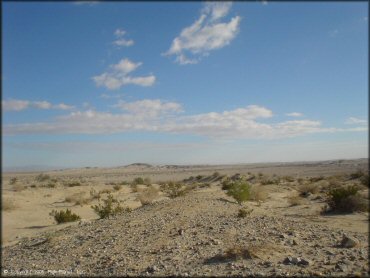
x=118, y=76
x=333, y=33
x=355, y=121
x=294, y=114
x=160, y=116
x=149, y=107
x=205, y=34
x=42, y=104
x=14, y=105
x=63, y=106
x=121, y=41
x=19, y=105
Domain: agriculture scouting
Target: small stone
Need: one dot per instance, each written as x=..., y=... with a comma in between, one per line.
x=349, y=242
x=180, y=232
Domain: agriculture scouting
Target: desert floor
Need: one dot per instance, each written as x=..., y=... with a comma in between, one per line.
x=28, y=198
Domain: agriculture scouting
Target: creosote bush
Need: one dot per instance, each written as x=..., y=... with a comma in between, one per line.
x=110, y=207
x=74, y=183
x=346, y=199
x=117, y=187
x=64, y=216
x=240, y=191
x=174, y=190
x=242, y=213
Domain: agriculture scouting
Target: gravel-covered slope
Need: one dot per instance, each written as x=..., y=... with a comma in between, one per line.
x=190, y=236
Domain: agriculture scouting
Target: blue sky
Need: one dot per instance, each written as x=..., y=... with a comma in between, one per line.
x=106, y=84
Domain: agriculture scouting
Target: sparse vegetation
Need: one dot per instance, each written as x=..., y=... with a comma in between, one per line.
x=240, y=191
x=307, y=188
x=18, y=187
x=110, y=207
x=316, y=179
x=64, y=216
x=237, y=252
x=42, y=177
x=288, y=178
x=94, y=194
x=7, y=205
x=13, y=181
x=74, y=183
x=365, y=180
x=346, y=199
x=148, y=196
x=33, y=186
x=356, y=175
x=77, y=199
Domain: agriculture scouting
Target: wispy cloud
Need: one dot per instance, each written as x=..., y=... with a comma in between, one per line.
x=161, y=116
x=294, y=114
x=19, y=105
x=205, y=34
x=89, y=3
x=118, y=76
x=355, y=121
x=120, y=40
x=333, y=33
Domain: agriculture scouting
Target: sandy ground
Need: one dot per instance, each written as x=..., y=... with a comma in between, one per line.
x=32, y=205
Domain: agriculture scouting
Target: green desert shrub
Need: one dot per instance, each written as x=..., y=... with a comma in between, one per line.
x=64, y=216
x=110, y=207
x=138, y=180
x=346, y=199
x=174, y=190
x=240, y=191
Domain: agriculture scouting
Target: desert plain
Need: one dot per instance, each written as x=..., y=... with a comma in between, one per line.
x=179, y=220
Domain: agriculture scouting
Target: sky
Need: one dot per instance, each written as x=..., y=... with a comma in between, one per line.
x=107, y=84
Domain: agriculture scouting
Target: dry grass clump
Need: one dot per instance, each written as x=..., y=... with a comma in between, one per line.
x=105, y=191
x=78, y=199
x=288, y=178
x=8, y=205
x=147, y=196
x=258, y=193
x=18, y=187
x=307, y=188
x=94, y=194
x=295, y=200
x=73, y=184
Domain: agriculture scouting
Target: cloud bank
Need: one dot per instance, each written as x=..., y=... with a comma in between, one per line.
x=154, y=115
x=19, y=105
